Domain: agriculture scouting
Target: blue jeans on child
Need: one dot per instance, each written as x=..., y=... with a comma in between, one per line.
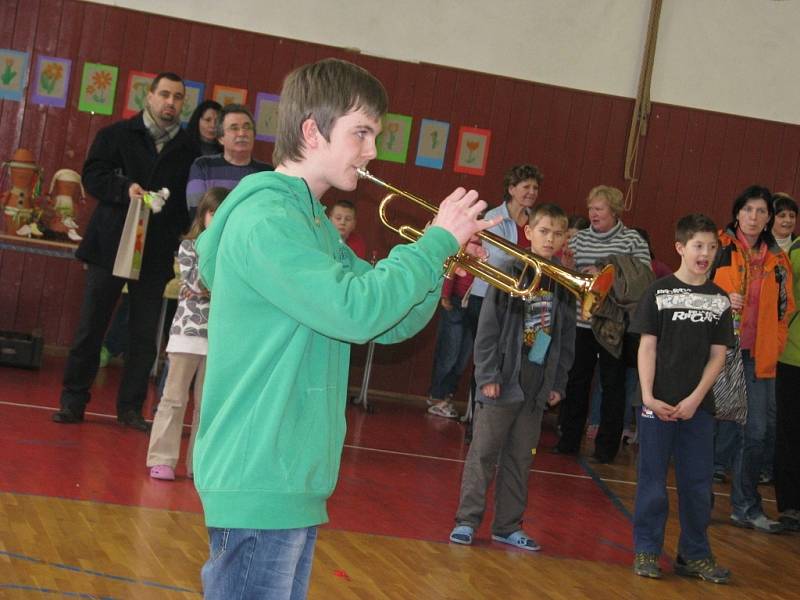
x=691, y=444
x=253, y=564
x=749, y=456
x=453, y=347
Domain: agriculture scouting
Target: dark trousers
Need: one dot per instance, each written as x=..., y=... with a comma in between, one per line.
x=575, y=406
x=691, y=445
x=100, y=296
x=787, y=438
x=454, y=340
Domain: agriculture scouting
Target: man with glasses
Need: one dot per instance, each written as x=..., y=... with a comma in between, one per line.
x=236, y=132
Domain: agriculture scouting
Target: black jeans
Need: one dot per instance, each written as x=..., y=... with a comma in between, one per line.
x=575, y=406
x=787, y=438
x=100, y=296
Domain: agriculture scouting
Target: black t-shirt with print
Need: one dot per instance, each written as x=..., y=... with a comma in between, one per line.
x=687, y=320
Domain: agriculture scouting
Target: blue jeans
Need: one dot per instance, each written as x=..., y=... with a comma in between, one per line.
x=749, y=457
x=691, y=444
x=727, y=439
x=254, y=564
x=453, y=347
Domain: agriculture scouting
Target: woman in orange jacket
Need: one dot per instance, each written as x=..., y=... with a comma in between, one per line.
x=755, y=272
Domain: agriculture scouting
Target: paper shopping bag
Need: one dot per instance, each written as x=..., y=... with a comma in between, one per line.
x=128, y=262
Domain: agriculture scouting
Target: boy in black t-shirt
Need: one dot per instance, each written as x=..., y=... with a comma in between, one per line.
x=685, y=326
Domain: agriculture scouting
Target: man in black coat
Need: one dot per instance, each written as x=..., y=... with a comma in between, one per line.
x=127, y=158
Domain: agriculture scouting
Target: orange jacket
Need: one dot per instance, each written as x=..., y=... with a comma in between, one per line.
x=776, y=303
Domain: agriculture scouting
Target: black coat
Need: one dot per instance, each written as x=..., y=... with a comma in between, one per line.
x=123, y=154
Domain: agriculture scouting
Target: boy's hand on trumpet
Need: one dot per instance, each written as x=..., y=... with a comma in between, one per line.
x=459, y=214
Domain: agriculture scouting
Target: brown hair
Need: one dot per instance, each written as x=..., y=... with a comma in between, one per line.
x=208, y=203
x=547, y=209
x=519, y=173
x=343, y=204
x=324, y=91
x=692, y=224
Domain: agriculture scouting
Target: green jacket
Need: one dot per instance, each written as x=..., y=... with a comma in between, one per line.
x=791, y=353
x=288, y=298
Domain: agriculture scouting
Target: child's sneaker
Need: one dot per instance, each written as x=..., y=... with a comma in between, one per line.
x=645, y=564
x=443, y=409
x=706, y=569
x=462, y=534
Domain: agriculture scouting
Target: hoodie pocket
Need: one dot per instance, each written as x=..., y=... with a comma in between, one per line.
x=310, y=448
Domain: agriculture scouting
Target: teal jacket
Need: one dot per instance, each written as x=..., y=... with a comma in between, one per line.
x=287, y=300
x=791, y=353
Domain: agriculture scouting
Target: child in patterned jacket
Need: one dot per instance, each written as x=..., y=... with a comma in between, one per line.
x=187, y=349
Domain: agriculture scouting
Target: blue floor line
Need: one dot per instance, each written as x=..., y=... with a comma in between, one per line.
x=121, y=578
x=30, y=588
x=611, y=496
x=605, y=489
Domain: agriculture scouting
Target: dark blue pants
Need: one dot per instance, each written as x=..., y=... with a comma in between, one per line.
x=691, y=445
x=453, y=348
x=749, y=456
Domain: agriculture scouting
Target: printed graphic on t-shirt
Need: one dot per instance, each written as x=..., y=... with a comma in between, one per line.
x=692, y=306
x=687, y=321
x=537, y=315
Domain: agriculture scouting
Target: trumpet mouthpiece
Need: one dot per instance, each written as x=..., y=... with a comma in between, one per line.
x=362, y=173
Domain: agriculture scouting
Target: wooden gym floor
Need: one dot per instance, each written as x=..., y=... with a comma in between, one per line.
x=80, y=517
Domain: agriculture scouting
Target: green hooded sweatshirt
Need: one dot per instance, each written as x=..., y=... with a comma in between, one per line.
x=791, y=352
x=288, y=298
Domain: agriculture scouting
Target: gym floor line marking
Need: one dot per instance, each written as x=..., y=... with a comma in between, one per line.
x=32, y=559
x=398, y=453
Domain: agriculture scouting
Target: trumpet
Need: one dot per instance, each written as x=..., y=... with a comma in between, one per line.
x=590, y=290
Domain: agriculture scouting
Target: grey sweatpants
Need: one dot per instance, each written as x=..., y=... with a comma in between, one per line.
x=505, y=436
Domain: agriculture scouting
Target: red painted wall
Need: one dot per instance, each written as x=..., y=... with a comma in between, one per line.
x=690, y=160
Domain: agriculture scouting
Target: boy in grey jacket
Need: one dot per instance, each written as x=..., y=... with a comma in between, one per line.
x=523, y=352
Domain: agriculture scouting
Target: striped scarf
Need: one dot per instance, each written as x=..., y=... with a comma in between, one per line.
x=160, y=135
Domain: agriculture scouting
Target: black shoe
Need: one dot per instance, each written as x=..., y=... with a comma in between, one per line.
x=600, y=460
x=67, y=415
x=131, y=418
x=559, y=450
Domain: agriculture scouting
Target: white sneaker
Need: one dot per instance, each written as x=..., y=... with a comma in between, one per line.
x=24, y=231
x=69, y=222
x=73, y=235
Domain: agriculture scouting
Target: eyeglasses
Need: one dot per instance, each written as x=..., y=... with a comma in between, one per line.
x=238, y=128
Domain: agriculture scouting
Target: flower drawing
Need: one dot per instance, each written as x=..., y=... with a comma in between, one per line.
x=101, y=82
x=393, y=129
x=51, y=74
x=139, y=93
x=472, y=146
x=8, y=73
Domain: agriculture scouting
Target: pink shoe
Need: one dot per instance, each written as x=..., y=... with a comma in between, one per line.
x=163, y=472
